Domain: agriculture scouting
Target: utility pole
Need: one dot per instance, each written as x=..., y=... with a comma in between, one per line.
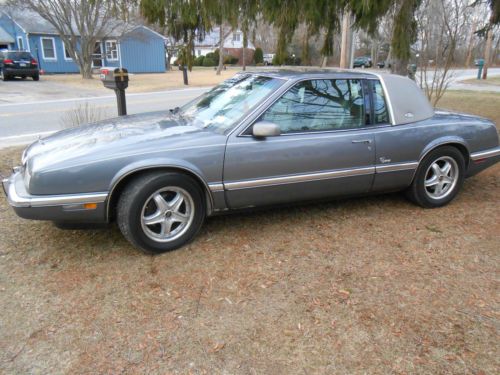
x=344, y=45
x=487, y=52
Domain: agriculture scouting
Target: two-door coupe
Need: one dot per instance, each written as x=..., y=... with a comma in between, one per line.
x=256, y=139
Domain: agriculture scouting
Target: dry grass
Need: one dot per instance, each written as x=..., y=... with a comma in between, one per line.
x=365, y=286
x=490, y=81
x=149, y=82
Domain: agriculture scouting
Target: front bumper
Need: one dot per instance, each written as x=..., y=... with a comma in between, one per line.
x=67, y=207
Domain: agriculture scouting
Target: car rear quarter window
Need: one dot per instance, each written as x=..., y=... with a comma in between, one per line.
x=319, y=105
x=379, y=104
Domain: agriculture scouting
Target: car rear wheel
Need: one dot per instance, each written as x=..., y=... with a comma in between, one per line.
x=439, y=178
x=36, y=77
x=159, y=212
x=5, y=77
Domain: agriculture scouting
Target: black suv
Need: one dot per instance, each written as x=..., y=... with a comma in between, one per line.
x=18, y=64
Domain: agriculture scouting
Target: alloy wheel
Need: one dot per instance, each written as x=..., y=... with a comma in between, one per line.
x=167, y=214
x=441, y=177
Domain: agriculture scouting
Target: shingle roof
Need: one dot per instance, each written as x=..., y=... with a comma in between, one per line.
x=33, y=23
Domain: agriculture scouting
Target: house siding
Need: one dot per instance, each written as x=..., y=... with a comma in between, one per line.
x=13, y=29
x=60, y=64
x=143, y=52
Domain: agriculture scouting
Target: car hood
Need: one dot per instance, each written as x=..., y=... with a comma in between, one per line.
x=115, y=137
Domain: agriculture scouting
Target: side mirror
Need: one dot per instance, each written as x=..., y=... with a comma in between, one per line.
x=264, y=129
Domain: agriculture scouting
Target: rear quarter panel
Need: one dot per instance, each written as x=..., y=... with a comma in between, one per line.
x=411, y=142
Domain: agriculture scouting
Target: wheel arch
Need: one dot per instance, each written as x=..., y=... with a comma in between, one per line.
x=120, y=182
x=456, y=142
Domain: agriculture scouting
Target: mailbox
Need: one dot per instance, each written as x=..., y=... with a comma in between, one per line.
x=116, y=79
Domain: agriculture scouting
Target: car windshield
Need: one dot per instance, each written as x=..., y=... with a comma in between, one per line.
x=18, y=55
x=222, y=107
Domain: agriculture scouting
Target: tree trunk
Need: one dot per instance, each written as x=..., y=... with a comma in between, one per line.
x=324, y=62
x=244, y=52
x=221, y=49
x=487, y=52
x=399, y=66
x=305, y=49
x=344, y=46
x=471, y=43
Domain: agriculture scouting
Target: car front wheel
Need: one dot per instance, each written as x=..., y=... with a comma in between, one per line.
x=159, y=212
x=439, y=178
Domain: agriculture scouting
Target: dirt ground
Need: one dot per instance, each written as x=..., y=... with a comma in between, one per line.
x=149, y=82
x=364, y=286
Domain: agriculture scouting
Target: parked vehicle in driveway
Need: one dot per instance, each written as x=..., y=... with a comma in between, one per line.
x=18, y=64
x=268, y=58
x=362, y=62
x=257, y=139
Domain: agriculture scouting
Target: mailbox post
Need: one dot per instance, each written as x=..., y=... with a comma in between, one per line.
x=480, y=65
x=117, y=80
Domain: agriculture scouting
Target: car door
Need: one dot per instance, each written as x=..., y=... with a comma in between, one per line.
x=325, y=148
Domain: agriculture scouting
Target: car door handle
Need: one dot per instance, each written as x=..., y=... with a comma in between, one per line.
x=367, y=141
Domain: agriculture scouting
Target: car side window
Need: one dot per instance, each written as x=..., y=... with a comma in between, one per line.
x=319, y=105
x=379, y=104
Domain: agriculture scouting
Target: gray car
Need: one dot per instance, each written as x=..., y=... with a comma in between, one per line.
x=257, y=139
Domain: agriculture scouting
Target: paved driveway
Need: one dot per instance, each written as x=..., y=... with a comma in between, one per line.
x=24, y=91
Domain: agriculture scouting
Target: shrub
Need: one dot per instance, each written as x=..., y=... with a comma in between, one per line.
x=83, y=114
x=258, y=57
x=230, y=60
x=199, y=60
x=207, y=61
x=214, y=56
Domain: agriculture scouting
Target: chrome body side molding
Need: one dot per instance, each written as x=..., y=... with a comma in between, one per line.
x=395, y=167
x=246, y=184
x=485, y=154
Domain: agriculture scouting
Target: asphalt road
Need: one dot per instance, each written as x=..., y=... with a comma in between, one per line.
x=32, y=109
x=24, y=122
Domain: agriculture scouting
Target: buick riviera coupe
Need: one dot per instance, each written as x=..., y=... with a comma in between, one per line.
x=256, y=139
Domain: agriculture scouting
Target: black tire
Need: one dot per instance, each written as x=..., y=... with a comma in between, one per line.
x=36, y=77
x=419, y=194
x=5, y=77
x=139, y=191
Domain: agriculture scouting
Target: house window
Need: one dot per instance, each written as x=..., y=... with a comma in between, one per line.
x=236, y=37
x=67, y=55
x=48, y=48
x=111, y=50
x=20, y=43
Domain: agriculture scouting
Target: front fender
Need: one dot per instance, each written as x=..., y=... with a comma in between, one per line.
x=157, y=163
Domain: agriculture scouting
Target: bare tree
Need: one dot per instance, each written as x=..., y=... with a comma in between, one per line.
x=79, y=23
x=442, y=24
